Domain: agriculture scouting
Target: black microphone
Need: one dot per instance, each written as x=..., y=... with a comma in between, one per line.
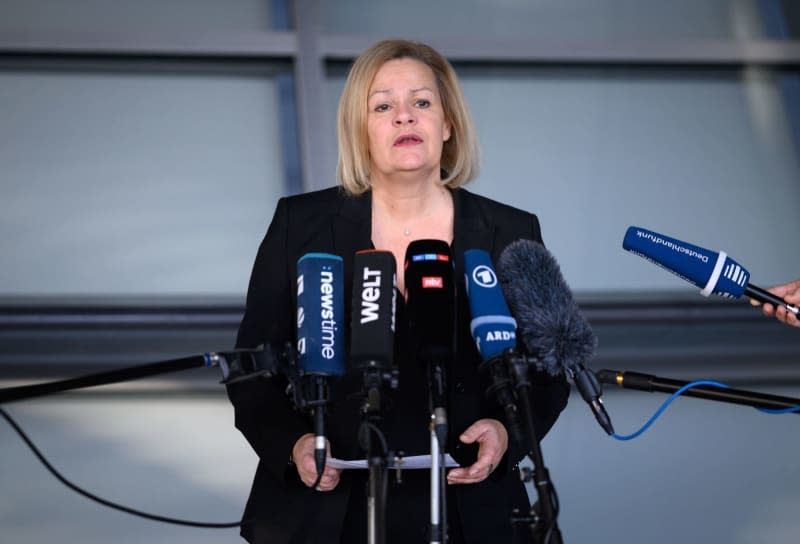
x=430, y=294
x=372, y=320
x=551, y=325
x=430, y=299
x=372, y=326
x=320, y=337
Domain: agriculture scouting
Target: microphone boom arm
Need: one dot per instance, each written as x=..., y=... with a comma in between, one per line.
x=651, y=383
x=235, y=366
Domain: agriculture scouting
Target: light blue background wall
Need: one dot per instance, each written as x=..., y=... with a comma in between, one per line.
x=130, y=178
x=156, y=177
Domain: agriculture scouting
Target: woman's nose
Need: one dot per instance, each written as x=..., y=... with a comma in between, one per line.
x=405, y=116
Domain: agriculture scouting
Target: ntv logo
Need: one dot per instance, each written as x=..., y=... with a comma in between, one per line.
x=484, y=276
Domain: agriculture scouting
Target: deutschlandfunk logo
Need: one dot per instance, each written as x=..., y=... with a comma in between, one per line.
x=674, y=245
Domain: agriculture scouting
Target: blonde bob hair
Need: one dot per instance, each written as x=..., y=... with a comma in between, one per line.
x=459, y=162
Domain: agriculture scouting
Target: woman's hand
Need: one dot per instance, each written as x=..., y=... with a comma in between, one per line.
x=790, y=292
x=303, y=458
x=492, y=439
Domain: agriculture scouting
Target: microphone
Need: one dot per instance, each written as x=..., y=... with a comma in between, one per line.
x=372, y=321
x=430, y=299
x=320, y=336
x=493, y=329
x=430, y=294
x=372, y=326
x=714, y=272
x=551, y=325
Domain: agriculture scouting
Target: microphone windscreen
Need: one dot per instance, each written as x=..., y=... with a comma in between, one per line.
x=430, y=292
x=372, y=317
x=551, y=326
x=492, y=327
x=320, y=314
x=713, y=272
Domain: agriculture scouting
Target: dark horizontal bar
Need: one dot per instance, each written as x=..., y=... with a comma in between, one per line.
x=345, y=47
x=269, y=44
x=531, y=50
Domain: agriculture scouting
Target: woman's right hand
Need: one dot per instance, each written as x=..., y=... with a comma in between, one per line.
x=303, y=458
x=790, y=292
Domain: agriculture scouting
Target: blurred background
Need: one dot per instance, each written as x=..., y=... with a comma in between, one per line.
x=143, y=147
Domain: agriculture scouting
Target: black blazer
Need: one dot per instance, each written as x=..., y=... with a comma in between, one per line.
x=281, y=508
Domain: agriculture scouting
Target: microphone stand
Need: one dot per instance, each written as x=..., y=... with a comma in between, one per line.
x=438, y=430
x=235, y=366
x=650, y=383
x=311, y=392
x=374, y=378
x=542, y=522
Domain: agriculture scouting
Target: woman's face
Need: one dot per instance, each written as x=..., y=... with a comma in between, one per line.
x=405, y=123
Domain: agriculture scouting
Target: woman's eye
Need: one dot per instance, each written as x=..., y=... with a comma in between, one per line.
x=423, y=103
x=382, y=107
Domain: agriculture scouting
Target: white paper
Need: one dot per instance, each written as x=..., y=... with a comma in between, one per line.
x=410, y=462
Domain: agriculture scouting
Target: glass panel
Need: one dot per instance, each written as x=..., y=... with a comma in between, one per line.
x=564, y=20
x=704, y=156
x=171, y=455
x=135, y=182
x=151, y=16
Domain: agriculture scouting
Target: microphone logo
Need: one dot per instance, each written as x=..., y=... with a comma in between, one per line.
x=328, y=321
x=671, y=244
x=736, y=274
x=432, y=282
x=484, y=276
x=370, y=295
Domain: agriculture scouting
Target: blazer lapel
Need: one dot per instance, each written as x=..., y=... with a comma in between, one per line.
x=471, y=229
x=352, y=230
x=351, y=226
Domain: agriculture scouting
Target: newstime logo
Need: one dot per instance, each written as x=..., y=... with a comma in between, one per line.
x=327, y=324
x=327, y=314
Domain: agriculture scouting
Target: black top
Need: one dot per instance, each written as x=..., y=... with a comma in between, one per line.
x=281, y=508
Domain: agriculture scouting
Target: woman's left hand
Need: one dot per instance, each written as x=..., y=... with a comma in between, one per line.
x=492, y=439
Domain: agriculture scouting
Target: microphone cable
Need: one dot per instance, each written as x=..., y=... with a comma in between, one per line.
x=676, y=394
x=102, y=501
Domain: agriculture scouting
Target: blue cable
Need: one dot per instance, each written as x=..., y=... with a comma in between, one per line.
x=664, y=406
x=679, y=392
x=791, y=410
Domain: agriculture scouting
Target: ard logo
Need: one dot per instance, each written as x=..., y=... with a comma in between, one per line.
x=484, y=276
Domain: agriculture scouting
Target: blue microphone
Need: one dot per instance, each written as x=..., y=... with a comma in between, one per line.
x=492, y=327
x=713, y=272
x=320, y=338
x=494, y=332
x=320, y=315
